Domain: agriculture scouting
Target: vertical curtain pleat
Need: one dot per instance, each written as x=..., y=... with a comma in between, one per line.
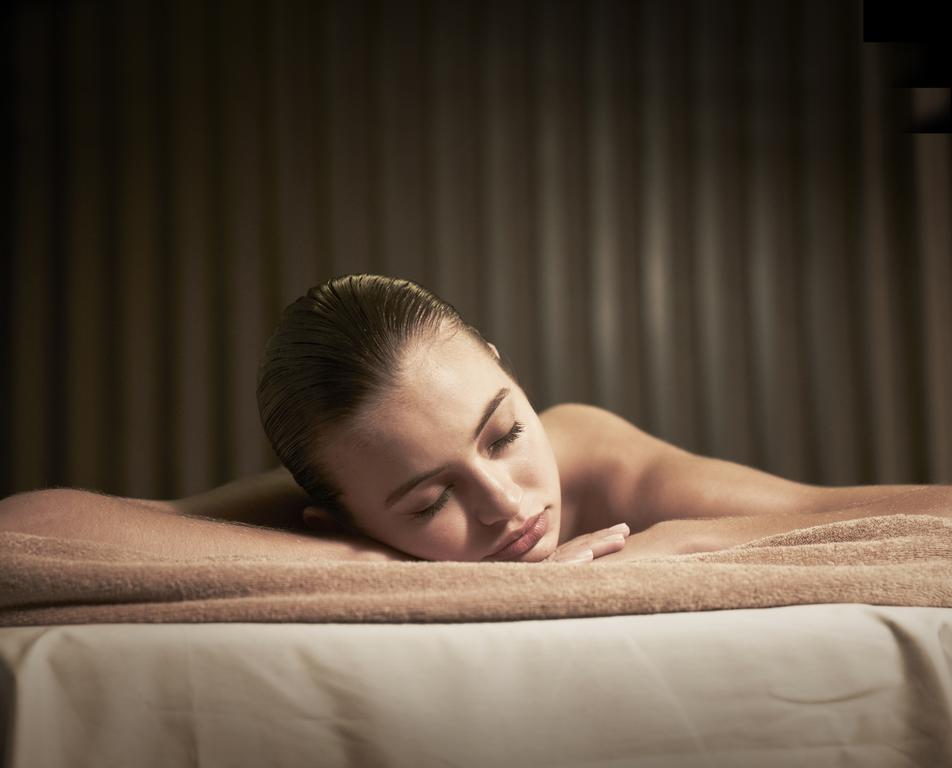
x=402, y=94
x=191, y=248
x=667, y=244
x=705, y=217
x=243, y=193
x=828, y=223
x=508, y=200
x=615, y=210
x=138, y=243
x=657, y=254
x=353, y=160
x=603, y=241
x=783, y=437
x=32, y=334
x=891, y=433
x=563, y=186
x=86, y=327
x=726, y=413
x=934, y=171
x=455, y=154
x=298, y=148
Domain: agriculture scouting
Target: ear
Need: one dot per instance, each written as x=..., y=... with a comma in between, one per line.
x=318, y=520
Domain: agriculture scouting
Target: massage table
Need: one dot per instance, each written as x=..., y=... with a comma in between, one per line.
x=119, y=661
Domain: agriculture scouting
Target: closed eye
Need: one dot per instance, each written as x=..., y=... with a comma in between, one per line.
x=508, y=439
x=494, y=450
x=435, y=506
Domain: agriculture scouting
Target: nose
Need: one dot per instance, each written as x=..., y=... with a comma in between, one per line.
x=501, y=497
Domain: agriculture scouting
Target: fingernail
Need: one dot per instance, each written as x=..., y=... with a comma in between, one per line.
x=582, y=557
x=620, y=528
x=615, y=538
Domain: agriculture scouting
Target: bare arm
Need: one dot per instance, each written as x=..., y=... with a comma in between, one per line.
x=679, y=485
x=270, y=498
x=683, y=536
x=171, y=529
x=675, y=501
x=644, y=481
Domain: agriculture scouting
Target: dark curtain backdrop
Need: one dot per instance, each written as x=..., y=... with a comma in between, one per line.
x=703, y=215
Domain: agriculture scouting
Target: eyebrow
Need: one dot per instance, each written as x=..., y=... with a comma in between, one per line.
x=406, y=487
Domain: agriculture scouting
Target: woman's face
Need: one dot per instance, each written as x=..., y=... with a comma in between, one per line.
x=452, y=463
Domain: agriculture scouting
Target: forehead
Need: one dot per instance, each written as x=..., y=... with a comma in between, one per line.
x=424, y=421
x=443, y=382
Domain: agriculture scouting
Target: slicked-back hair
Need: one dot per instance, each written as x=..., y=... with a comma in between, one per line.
x=334, y=350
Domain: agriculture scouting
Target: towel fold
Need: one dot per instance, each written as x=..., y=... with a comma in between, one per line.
x=891, y=560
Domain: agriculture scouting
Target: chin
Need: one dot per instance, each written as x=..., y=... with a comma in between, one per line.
x=535, y=557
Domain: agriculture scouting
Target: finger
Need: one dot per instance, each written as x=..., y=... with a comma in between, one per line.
x=608, y=544
x=620, y=528
x=584, y=555
x=580, y=556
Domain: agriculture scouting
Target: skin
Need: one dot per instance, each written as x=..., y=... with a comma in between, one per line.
x=486, y=478
x=608, y=490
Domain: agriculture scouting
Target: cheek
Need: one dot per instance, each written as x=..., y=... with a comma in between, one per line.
x=536, y=466
x=446, y=540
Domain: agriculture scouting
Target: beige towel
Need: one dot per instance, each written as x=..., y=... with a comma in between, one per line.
x=894, y=560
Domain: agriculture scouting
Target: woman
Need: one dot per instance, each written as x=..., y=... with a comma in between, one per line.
x=405, y=435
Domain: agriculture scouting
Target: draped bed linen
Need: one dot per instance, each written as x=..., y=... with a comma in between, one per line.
x=820, y=685
x=824, y=646
x=889, y=560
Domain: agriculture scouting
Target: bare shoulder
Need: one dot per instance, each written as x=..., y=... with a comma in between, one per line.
x=592, y=427
x=611, y=466
x=603, y=459
x=588, y=430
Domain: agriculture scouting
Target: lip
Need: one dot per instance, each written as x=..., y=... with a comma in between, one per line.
x=523, y=540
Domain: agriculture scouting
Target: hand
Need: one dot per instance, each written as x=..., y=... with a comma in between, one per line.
x=585, y=548
x=669, y=537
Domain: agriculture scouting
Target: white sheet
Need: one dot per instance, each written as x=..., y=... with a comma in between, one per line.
x=819, y=685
